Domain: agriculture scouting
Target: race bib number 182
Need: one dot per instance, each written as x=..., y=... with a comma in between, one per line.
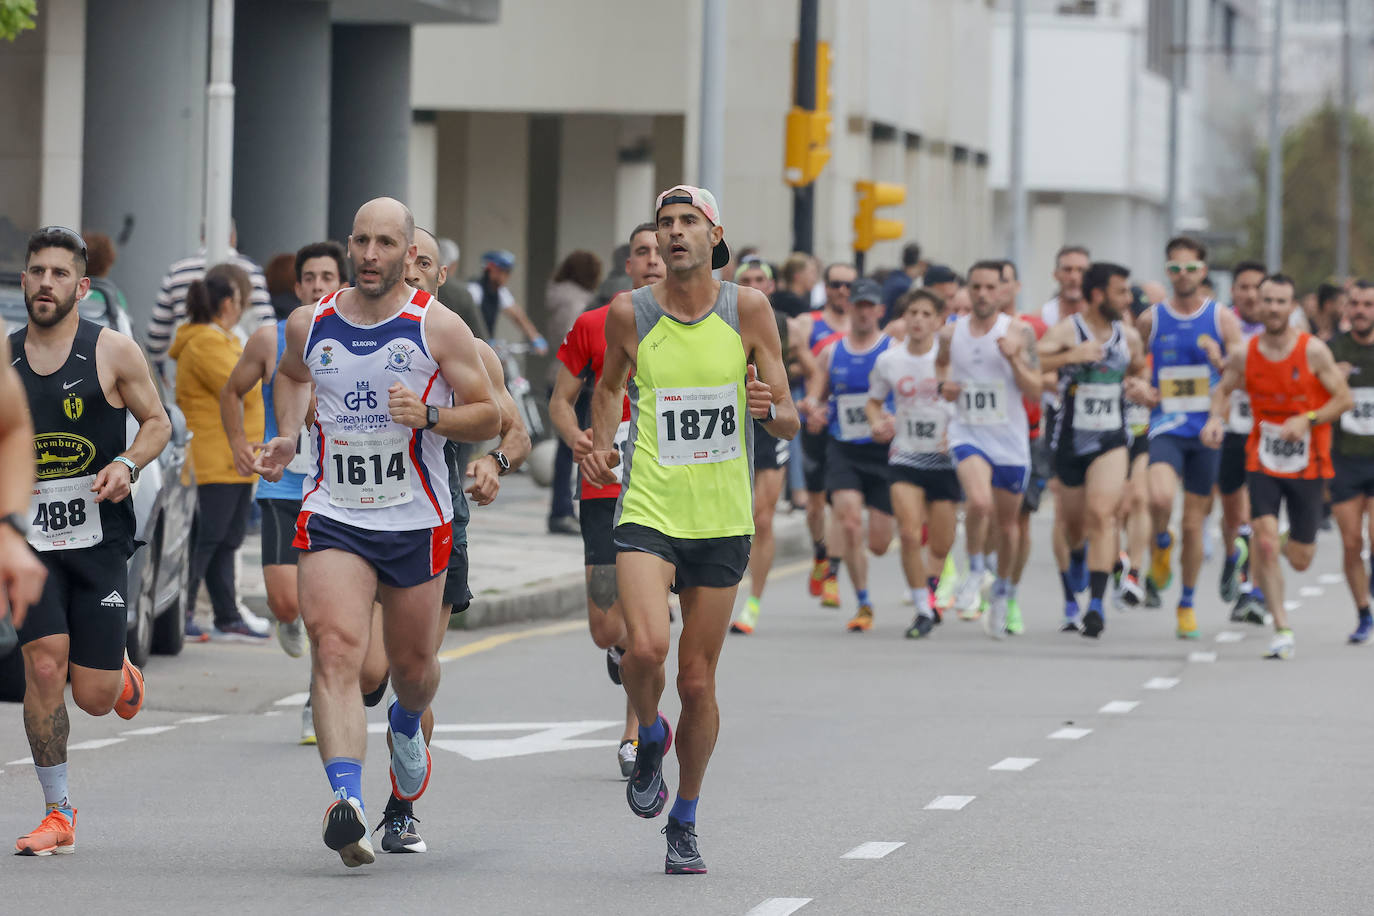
x=698, y=425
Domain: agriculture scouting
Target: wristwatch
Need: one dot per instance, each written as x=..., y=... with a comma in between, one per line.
x=18, y=522
x=128, y=463
x=502, y=462
x=1311, y=417
x=431, y=416
x=772, y=413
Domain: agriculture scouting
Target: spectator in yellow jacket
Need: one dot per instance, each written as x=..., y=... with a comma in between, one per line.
x=206, y=350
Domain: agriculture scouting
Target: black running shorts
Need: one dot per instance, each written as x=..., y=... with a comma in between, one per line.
x=860, y=466
x=770, y=452
x=940, y=484
x=813, y=460
x=1302, y=498
x=1354, y=477
x=597, y=517
x=278, y=530
x=456, y=590
x=85, y=598
x=1231, y=472
x=700, y=562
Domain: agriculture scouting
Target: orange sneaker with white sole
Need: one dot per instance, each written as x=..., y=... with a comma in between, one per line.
x=830, y=592
x=131, y=697
x=863, y=621
x=55, y=835
x=819, y=570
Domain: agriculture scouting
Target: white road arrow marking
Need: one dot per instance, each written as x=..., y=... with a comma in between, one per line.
x=543, y=738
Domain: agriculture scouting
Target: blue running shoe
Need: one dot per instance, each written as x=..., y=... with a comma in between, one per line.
x=1070, y=624
x=1362, y=632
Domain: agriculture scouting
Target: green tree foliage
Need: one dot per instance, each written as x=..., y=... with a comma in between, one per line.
x=16, y=16
x=1310, y=168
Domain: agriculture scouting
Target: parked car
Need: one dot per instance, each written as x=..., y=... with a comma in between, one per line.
x=164, y=511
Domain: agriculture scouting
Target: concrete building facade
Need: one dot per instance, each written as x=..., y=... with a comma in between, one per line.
x=1098, y=125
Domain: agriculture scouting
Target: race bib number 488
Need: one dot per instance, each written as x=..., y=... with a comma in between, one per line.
x=698, y=425
x=63, y=515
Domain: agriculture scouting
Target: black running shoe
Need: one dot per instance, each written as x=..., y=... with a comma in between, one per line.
x=683, y=857
x=920, y=627
x=646, y=791
x=1092, y=624
x=613, y=657
x=1152, y=599
x=1068, y=626
x=375, y=697
x=398, y=828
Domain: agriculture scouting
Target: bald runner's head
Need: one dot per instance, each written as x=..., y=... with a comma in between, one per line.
x=424, y=270
x=381, y=243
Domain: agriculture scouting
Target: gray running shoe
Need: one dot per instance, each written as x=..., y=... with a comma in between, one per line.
x=292, y=637
x=409, y=765
x=398, y=828
x=683, y=857
x=626, y=756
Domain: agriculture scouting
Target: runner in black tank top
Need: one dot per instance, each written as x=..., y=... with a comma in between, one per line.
x=81, y=518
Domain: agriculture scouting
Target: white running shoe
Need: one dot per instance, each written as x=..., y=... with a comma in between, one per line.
x=1282, y=646
x=345, y=832
x=292, y=637
x=969, y=594
x=255, y=623
x=995, y=620
x=308, y=725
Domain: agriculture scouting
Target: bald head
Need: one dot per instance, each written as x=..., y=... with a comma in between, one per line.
x=383, y=240
x=424, y=270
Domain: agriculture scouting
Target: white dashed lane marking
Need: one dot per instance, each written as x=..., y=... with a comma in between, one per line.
x=779, y=906
x=1161, y=683
x=1119, y=707
x=1014, y=764
x=196, y=720
x=1331, y=578
x=1069, y=733
x=1292, y=605
x=149, y=730
x=950, y=802
x=1230, y=636
x=295, y=699
x=1310, y=591
x=1202, y=657
x=872, y=850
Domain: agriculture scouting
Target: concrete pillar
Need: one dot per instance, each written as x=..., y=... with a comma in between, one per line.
x=1046, y=231
x=422, y=192
x=634, y=196
x=281, y=125
x=369, y=137
x=64, y=100
x=588, y=156
x=144, y=161
x=21, y=142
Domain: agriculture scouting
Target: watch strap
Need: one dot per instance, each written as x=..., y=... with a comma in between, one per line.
x=18, y=522
x=128, y=463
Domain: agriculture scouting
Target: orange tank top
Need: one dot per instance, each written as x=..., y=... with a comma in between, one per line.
x=1280, y=389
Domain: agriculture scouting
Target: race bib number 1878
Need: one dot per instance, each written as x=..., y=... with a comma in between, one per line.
x=698, y=425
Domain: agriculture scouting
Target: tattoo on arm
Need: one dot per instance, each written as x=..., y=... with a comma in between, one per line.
x=602, y=588
x=1032, y=350
x=48, y=735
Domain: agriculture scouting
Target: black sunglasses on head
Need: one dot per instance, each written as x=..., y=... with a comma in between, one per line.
x=66, y=233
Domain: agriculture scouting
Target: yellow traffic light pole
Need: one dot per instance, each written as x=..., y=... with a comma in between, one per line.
x=807, y=147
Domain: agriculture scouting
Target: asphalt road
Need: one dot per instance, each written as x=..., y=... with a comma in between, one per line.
x=993, y=777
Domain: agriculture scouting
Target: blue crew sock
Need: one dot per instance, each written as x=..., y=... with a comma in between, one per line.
x=654, y=734
x=1162, y=540
x=345, y=777
x=1001, y=588
x=684, y=809
x=403, y=721
x=862, y=595
x=1233, y=557
x=1095, y=604
x=975, y=564
x=1257, y=593
x=1187, y=599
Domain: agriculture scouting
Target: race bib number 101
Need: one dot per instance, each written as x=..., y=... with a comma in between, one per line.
x=698, y=425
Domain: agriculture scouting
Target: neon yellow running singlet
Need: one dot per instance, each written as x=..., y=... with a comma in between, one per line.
x=689, y=457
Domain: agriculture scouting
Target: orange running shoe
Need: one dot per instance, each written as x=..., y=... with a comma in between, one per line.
x=819, y=570
x=131, y=697
x=863, y=621
x=830, y=592
x=57, y=834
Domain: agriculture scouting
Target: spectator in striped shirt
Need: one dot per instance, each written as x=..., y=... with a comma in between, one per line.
x=170, y=310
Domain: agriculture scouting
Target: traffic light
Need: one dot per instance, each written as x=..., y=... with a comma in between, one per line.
x=867, y=228
x=807, y=147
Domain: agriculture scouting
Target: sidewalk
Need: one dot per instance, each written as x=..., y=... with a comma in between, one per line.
x=518, y=571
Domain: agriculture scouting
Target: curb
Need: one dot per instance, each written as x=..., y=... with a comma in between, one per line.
x=565, y=597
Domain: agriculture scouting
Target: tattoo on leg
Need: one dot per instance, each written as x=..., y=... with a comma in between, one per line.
x=602, y=588
x=48, y=736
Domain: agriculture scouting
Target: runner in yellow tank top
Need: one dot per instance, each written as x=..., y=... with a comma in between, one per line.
x=706, y=357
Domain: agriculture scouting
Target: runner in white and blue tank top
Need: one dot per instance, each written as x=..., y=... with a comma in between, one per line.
x=1188, y=337
x=904, y=408
x=988, y=363
x=1094, y=352
x=856, y=475
x=375, y=521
